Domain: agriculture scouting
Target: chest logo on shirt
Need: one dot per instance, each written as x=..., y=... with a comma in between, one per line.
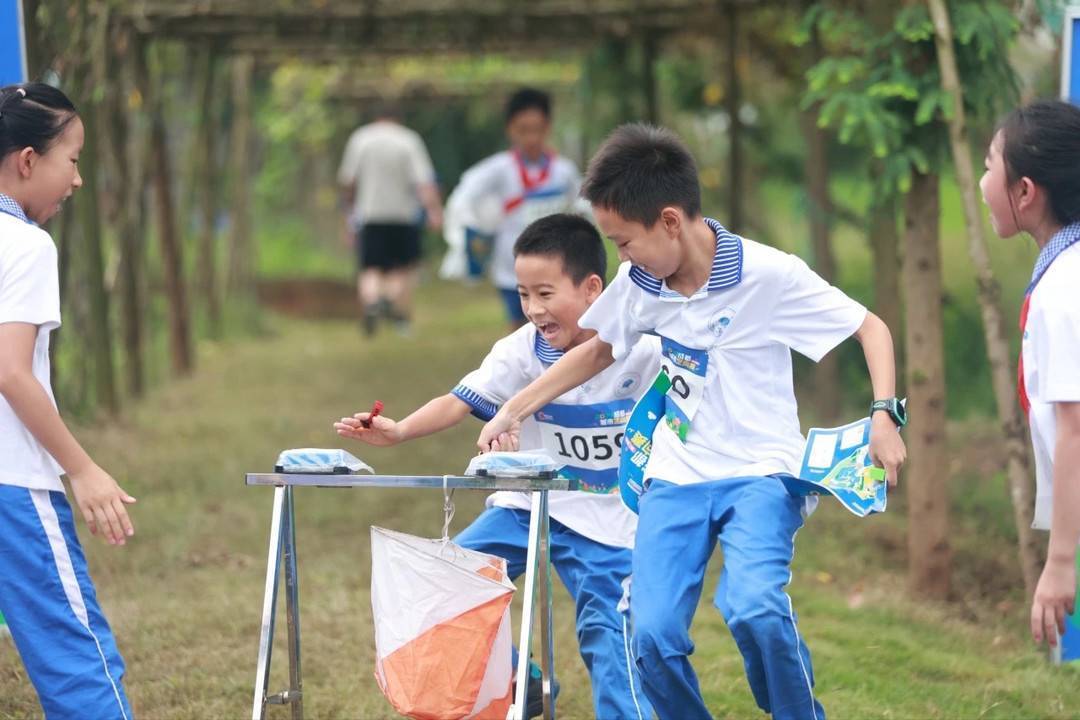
x=627, y=384
x=721, y=321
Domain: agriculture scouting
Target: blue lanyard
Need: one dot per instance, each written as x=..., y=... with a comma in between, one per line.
x=1062, y=240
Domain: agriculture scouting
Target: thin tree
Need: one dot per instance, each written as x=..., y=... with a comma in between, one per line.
x=180, y=343
x=241, y=248
x=1018, y=461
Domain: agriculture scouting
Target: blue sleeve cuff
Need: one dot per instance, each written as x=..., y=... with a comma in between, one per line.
x=481, y=407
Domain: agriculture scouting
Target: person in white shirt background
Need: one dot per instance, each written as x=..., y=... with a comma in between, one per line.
x=46, y=593
x=391, y=192
x=1032, y=185
x=499, y=196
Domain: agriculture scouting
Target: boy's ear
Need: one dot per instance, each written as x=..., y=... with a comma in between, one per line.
x=594, y=285
x=672, y=219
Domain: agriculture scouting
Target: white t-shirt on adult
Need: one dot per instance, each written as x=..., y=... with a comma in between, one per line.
x=582, y=428
x=728, y=351
x=29, y=293
x=1051, y=349
x=497, y=182
x=388, y=162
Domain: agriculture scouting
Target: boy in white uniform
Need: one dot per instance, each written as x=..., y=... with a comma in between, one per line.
x=527, y=182
x=560, y=262
x=728, y=312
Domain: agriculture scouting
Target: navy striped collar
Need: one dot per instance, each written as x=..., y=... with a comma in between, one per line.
x=544, y=351
x=1062, y=239
x=10, y=207
x=726, y=266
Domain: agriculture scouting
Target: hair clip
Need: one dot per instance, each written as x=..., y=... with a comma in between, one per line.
x=20, y=92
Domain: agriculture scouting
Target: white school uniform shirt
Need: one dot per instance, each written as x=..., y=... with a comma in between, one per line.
x=29, y=293
x=497, y=181
x=1051, y=349
x=582, y=428
x=731, y=411
x=388, y=162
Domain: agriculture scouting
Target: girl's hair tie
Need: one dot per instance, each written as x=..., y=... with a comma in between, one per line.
x=18, y=91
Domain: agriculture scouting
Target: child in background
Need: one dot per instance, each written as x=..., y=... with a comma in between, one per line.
x=524, y=183
x=560, y=265
x=728, y=312
x=1032, y=185
x=45, y=589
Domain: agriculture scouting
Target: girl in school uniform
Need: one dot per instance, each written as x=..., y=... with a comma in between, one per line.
x=45, y=589
x=1032, y=185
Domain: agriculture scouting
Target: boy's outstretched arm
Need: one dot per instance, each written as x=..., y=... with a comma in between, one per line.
x=574, y=368
x=886, y=446
x=1055, y=594
x=438, y=414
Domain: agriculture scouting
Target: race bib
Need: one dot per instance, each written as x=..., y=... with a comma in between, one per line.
x=686, y=368
x=540, y=204
x=586, y=439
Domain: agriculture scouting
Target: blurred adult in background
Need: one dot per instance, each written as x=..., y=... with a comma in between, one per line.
x=390, y=192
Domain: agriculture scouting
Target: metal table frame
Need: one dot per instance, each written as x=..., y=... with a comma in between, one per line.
x=283, y=550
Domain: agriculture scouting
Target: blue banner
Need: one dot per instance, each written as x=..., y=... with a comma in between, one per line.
x=1070, y=56
x=12, y=43
x=637, y=440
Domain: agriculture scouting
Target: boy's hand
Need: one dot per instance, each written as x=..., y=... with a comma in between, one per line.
x=1055, y=599
x=380, y=430
x=500, y=433
x=102, y=502
x=887, y=448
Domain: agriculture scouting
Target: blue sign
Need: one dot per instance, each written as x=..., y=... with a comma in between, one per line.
x=1070, y=56
x=12, y=43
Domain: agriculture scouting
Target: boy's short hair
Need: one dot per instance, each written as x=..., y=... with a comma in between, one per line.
x=569, y=237
x=528, y=99
x=641, y=169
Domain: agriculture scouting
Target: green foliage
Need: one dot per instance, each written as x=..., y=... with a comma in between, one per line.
x=879, y=86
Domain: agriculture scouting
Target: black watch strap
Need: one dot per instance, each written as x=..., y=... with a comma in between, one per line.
x=892, y=406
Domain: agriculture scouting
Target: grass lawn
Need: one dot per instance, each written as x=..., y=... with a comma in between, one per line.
x=185, y=596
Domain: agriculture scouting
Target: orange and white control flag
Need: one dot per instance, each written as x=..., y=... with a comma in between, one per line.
x=442, y=628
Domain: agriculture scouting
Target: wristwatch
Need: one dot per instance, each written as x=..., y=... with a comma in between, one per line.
x=894, y=407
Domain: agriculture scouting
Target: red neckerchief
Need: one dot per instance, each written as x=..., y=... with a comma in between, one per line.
x=1061, y=241
x=1021, y=388
x=529, y=181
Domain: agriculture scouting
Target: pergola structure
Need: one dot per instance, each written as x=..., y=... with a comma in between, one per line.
x=408, y=27
x=333, y=30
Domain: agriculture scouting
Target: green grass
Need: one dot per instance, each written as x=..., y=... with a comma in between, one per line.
x=185, y=596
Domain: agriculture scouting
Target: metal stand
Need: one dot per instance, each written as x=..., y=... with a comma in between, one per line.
x=283, y=548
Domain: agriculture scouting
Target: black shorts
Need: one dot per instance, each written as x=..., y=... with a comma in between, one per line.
x=388, y=246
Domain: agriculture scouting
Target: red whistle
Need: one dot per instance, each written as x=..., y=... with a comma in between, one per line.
x=376, y=410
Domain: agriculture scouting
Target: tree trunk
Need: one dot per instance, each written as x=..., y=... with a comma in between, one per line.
x=997, y=347
x=816, y=171
x=734, y=100
x=180, y=345
x=130, y=147
x=885, y=247
x=88, y=204
x=926, y=472
x=241, y=251
x=207, y=181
